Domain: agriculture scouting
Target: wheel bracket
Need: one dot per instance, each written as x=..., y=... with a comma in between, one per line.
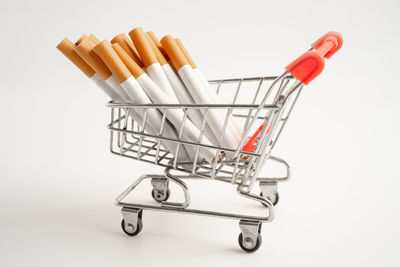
x=250, y=232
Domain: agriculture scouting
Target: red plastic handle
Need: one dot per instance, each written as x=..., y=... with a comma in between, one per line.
x=328, y=44
x=309, y=65
x=305, y=68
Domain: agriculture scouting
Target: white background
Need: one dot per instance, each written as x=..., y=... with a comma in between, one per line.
x=58, y=179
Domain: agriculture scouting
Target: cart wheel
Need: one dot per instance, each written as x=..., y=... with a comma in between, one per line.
x=276, y=198
x=130, y=230
x=159, y=196
x=248, y=245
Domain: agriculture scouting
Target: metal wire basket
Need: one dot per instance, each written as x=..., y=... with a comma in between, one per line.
x=262, y=103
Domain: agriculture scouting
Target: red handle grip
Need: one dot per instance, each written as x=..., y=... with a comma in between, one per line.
x=309, y=65
x=328, y=44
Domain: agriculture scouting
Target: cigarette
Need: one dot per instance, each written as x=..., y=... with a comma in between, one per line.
x=182, y=93
x=67, y=48
x=185, y=53
x=129, y=48
x=174, y=115
x=155, y=40
x=136, y=93
x=94, y=39
x=83, y=37
x=151, y=63
x=232, y=125
x=85, y=50
x=196, y=89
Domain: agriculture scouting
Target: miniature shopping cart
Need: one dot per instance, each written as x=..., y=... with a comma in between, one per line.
x=267, y=106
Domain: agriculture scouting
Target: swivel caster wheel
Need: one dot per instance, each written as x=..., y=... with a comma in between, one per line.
x=132, y=223
x=131, y=230
x=160, y=190
x=248, y=244
x=160, y=196
x=250, y=237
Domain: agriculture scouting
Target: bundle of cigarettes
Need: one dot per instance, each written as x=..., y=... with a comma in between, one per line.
x=143, y=70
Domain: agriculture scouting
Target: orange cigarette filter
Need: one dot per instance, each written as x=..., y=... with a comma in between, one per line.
x=85, y=50
x=157, y=52
x=134, y=68
x=112, y=60
x=94, y=39
x=142, y=44
x=158, y=44
x=67, y=48
x=128, y=46
x=186, y=53
x=83, y=37
x=177, y=57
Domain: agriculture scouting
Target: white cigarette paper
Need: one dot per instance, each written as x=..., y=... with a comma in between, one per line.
x=184, y=97
x=232, y=126
x=200, y=96
x=129, y=97
x=190, y=131
x=158, y=76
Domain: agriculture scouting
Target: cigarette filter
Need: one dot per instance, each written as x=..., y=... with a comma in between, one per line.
x=136, y=93
x=181, y=92
x=197, y=91
x=175, y=116
x=151, y=63
x=233, y=127
x=67, y=48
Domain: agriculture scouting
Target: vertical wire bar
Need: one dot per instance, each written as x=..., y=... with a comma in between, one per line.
x=199, y=139
x=180, y=136
x=267, y=121
x=282, y=87
x=121, y=150
x=287, y=117
x=262, y=150
x=257, y=112
x=133, y=126
x=218, y=88
x=142, y=131
x=262, y=138
x=218, y=151
x=229, y=113
x=248, y=169
x=119, y=125
x=262, y=146
x=235, y=169
x=254, y=100
x=227, y=117
x=160, y=134
x=112, y=132
x=234, y=178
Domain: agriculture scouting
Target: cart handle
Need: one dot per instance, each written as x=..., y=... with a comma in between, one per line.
x=309, y=65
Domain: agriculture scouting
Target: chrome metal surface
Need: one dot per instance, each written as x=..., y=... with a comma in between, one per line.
x=270, y=101
x=160, y=188
x=250, y=231
x=269, y=190
x=131, y=217
x=269, y=98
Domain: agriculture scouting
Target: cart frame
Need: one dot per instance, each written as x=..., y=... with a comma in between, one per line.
x=241, y=168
